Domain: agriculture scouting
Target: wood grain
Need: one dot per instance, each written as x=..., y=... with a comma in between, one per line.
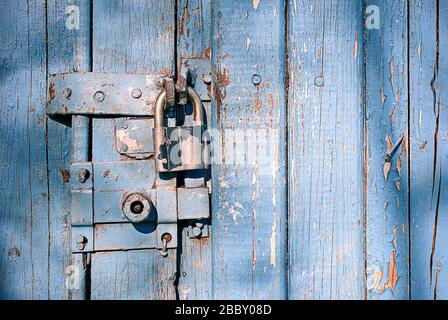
x=23, y=183
x=249, y=190
x=387, y=198
x=428, y=69
x=68, y=51
x=325, y=146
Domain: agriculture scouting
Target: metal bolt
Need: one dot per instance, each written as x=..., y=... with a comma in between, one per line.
x=67, y=92
x=197, y=231
x=81, y=242
x=83, y=175
x=207, y=78
x=136, y=93
x=319, y=81
x=98, y=96
x=124, y=148
x=165, y=239
x=256, y=79
x=124, y=125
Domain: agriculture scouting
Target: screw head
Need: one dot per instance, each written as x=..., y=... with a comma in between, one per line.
x=319, y=81
x=83, y=175
x=81, y=242
x=197, y=232
x=124, y=148
x=136, y=93
x=81, y=239
x=207, y=78
x=256, y=79
x=125, y=125
x=98, y=96
x=67, y=92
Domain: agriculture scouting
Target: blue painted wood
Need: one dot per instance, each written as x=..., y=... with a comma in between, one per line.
x=68, y=51
x=387, y=225
x=428, y=70
x=23, y=183
x=131, y=36
x=325, y=166
x=249, y=196
x=193, y=40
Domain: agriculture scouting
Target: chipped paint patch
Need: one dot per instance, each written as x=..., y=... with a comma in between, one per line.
x=255, y=4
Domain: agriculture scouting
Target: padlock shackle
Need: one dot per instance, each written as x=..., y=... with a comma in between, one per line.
x=159, y=108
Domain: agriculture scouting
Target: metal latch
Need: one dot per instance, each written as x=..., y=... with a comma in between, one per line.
x=123, y=203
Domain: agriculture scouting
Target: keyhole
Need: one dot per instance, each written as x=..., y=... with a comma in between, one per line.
x=137, y=207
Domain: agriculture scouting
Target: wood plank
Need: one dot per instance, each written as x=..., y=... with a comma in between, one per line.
x=325, y=150
x=193, y=34
x=132, y=36
x=428, y=67
x=387, y=225
x=23, y=183
x=249, y=196
x=68, y=51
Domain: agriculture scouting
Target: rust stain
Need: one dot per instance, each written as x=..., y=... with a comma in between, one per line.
x=355, y=49
x=255, y=4
x=386, y=169
x=398, y=184
x=65, y=174
x=392, y=275
x=207, y=53
x=397, y=97
x=51, y=92
x=383, y=287
x=186, y=12
x=258, y=105
x=422, y=146
x=181, y=26
x=399, y=160
x=392, y=116
x=106, y=173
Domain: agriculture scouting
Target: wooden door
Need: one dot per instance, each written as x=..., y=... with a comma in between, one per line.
x=329, y=87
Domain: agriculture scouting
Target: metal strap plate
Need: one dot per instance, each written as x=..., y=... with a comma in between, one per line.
x=104, y=93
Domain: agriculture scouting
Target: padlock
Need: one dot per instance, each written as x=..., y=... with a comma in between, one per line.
x=178, y=148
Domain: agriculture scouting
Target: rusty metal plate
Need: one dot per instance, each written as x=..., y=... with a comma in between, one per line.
x=133, y=137
x=88, y=93
x=198, y=73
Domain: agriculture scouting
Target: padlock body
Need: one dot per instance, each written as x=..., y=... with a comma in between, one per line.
x=178, y=148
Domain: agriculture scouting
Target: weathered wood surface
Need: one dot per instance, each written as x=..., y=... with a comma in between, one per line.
x=386, y=185
x=353, y=233
x=68, y=51
x=131, y=36
x=193, y=41
x=249, y=196
x=24, y=221
x=325, y=150
x=428, y=71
